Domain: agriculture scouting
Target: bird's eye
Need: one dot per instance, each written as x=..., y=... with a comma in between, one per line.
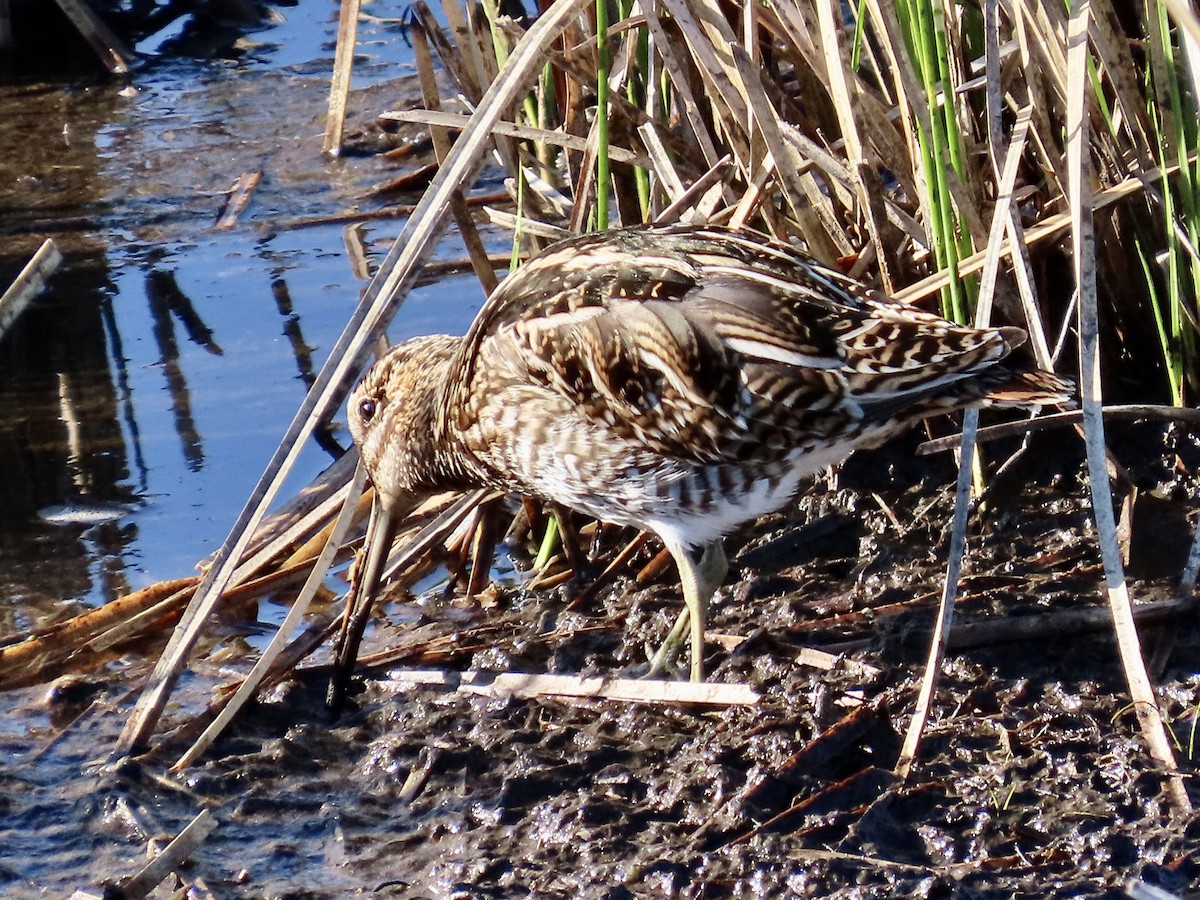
x=367, y=409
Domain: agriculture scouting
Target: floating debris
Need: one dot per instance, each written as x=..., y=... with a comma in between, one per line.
x=82, y=511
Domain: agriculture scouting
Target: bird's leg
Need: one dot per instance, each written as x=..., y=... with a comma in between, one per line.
x=701, y=571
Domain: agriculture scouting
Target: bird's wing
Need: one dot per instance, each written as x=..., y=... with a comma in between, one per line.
x=712, y=344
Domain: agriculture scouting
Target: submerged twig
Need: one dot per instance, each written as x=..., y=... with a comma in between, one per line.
x=238, y=200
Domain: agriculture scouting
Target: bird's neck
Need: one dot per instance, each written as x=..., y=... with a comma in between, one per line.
x=437, y=464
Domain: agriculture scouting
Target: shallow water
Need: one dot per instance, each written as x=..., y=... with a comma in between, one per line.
x=143, y=393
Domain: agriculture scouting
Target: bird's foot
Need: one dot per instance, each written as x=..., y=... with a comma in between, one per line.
x=664, y=661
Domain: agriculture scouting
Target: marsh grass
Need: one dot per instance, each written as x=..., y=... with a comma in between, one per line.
x=876, y=137
x=872, y=137
x=1169, y=261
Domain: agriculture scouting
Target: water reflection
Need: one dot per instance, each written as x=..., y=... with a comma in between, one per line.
x=120, y=372
x=302, y=352
x=59, y=405
x=142, y=394
x=167, y=300
x=63, y=450
x=291, y=330
x=83, y=422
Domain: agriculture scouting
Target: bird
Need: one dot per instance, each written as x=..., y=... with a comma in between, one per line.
x=682, y=380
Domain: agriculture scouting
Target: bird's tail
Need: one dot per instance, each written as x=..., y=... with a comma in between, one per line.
x=1000, y=385
x=1022, y=388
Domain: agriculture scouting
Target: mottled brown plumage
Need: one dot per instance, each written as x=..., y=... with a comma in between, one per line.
x=681, y=380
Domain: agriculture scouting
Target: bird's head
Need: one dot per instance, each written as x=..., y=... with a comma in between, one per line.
x=393, y=417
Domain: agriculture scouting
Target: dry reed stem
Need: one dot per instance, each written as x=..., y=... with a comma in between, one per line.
x=437, y=118
x=526, y=227
x=452, y=61
x=441, y=145
x=297, y=521
x=291, y=621
x=28, y=658
x=32, y=278
x=769, y=128
x=681, y=83
x=1126, y=412
x=238, y=199
x=523, y=685
x=1081, y=209
x=172, y=857
x=112, y=52
x=699, y=198
x=1050, y=227
x=1076, y=623
x=339, y=87
x=966, y=458
x=87, y=640
x=283, y=653
x=669, y=181
x=845, y=105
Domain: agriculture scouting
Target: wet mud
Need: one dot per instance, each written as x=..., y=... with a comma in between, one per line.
x=1032, y=779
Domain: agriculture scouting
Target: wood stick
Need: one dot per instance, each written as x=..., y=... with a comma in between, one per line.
x=109, y=49
x=1081, y=211
x=630, y=690
x=172, y=857
x=238, y=200
x=1129, y=411
x=339, y=85
x=26, y=286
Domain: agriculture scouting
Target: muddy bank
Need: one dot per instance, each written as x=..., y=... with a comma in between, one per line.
x=1032, y=778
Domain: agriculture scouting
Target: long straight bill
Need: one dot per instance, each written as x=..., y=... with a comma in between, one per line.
x=381, y=531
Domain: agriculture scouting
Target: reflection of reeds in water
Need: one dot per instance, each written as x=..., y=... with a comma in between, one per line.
x=302, y=353
x=62, y=450
x=70, y=439
x=167, y=300
x=59, y=409
x=914, y=147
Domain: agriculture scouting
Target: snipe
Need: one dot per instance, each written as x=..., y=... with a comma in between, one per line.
x=680, y=379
